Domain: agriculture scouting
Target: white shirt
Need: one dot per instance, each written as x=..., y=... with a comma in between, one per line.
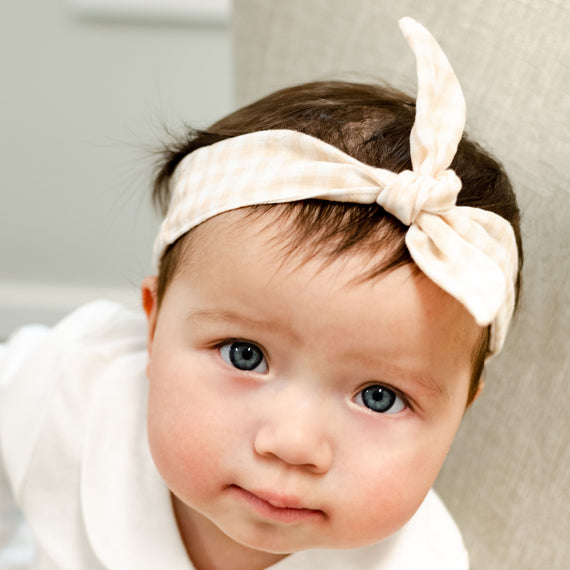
x=74, y=459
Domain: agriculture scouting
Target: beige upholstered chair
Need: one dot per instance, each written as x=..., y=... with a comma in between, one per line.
x=507, y=479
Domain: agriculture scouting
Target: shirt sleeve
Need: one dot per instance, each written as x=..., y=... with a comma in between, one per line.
x=40, y=369
x=17, y=550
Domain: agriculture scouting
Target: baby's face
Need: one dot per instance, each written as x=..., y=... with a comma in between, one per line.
x=293, y=408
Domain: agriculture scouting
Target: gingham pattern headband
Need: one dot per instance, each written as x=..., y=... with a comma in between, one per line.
x=468, y=252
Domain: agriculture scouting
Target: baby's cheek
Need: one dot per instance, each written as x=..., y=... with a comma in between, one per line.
x=379, y=496
x=388, y=502
x=163, y=443
x=180, y=457
x=391, y=493
x=185, y=437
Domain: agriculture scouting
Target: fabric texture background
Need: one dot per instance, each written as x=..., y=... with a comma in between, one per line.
x=507, y=479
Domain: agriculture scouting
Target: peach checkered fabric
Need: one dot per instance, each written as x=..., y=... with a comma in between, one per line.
x=468, y=252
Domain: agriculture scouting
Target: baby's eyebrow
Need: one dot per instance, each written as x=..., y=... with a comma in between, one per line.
x=425, y=381
x=229, y=316
x=405, y=376
x=431, y=385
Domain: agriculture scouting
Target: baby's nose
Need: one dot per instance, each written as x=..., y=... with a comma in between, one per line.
x=296, y=434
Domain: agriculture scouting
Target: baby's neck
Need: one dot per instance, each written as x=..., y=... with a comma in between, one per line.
x=210, y=549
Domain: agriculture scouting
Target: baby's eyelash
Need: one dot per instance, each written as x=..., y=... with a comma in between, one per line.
x=217, y=344
x=410, y=405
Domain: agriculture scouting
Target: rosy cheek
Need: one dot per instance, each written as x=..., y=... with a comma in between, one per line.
x=182, y=430
x=383, y=505
x=389, y=485
x=175, y=457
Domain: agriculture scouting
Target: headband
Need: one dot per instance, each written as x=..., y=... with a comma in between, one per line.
x=469, y=252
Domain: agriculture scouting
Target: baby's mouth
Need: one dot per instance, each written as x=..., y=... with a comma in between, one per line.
x=284, y=508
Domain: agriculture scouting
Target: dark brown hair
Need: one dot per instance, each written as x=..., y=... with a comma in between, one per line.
x=371, y=123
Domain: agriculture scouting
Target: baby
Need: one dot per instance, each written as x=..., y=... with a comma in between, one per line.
x=335, y=265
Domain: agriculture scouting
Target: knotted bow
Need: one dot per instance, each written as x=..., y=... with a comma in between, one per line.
x=469, y=252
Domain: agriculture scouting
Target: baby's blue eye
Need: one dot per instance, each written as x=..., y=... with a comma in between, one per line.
x=380, y=399
x=244, y=356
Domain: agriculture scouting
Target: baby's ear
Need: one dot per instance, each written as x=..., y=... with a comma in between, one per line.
x=480, y=388
x=150, y=305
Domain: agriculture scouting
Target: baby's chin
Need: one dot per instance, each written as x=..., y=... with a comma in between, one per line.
x=273, y=540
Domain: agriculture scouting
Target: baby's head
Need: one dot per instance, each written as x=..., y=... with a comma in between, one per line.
x=306, y=376
x=372, y=123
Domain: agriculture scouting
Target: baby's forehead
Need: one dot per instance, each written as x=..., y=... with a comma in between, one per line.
x=308, y=230
x=265, y=239
x=241, y=284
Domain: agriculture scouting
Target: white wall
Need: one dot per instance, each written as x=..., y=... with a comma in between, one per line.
x=81, y=101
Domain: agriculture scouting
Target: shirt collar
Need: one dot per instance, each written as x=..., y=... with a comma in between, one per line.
x=125, y=503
